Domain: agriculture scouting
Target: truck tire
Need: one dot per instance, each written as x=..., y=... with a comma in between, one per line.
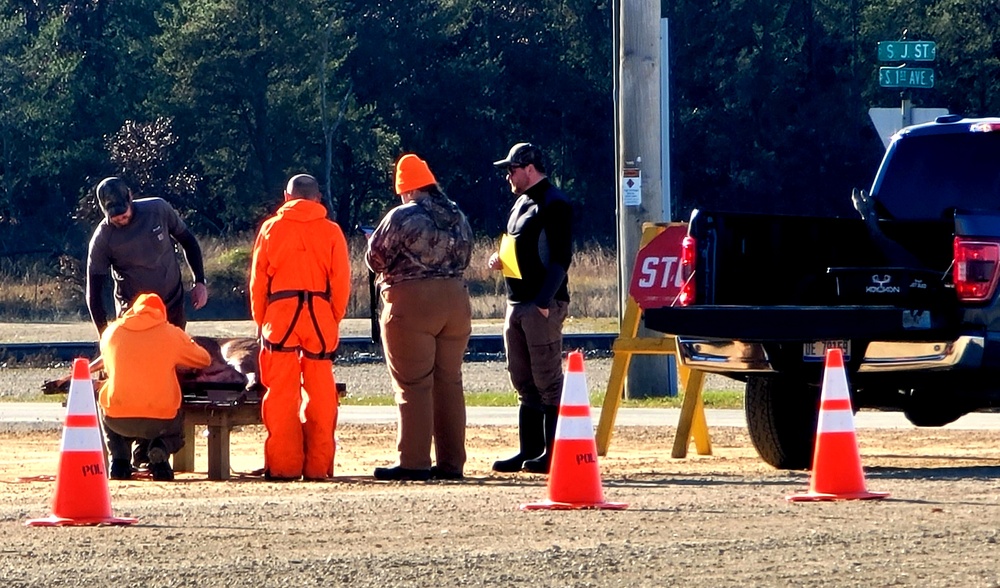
x=924, y=408
x=781, y=416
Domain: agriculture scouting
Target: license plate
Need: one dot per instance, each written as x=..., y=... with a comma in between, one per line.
x=816, y=351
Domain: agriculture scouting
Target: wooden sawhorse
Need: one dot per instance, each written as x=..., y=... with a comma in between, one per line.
x=692, y=424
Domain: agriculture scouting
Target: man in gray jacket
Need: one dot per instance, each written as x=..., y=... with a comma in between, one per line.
x=135, y=245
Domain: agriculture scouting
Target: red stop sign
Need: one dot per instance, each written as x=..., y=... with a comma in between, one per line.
x=656, y=277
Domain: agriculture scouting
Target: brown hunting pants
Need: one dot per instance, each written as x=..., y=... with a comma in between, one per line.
x=425, y=329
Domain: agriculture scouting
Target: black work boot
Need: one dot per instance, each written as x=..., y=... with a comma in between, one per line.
x=540, y=465
x=121, y=469
x=159, y=464
x=530, y=423
x=402, y=474
x=161, y=471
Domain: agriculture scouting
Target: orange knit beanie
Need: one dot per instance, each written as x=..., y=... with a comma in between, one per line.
x=412, y=173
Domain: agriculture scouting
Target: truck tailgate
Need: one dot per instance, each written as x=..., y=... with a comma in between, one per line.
x=802, y=323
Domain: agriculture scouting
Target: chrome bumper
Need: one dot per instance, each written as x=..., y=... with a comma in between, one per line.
x=721, y=356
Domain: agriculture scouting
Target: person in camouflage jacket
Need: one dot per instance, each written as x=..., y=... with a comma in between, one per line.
x=419, y=253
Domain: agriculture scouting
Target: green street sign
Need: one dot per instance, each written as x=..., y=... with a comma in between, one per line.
x=906, y=77
x=907, y=50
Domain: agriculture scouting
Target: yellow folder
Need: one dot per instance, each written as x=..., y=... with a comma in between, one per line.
x=508, y=257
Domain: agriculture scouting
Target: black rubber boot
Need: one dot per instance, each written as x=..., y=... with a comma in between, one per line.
x=530, y=430
x=540, y=465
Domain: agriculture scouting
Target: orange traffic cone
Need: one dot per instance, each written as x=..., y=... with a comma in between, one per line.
x=82, y=496
x=574, y=478
x=836, y=468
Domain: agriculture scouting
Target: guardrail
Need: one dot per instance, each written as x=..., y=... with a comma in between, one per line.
x=350, y=349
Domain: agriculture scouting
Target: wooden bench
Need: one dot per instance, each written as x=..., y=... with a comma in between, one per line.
x=219, y=408
x=220, y=418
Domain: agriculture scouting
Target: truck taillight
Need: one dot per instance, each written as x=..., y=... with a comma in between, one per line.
x=976, y=269
x=984, y=127
x=688, y=246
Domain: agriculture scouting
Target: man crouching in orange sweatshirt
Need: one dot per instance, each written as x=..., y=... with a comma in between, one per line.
x=141, y=398
x=300, y=279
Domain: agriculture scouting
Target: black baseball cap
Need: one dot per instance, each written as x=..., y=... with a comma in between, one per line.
x=522, y=154
x=113, y=196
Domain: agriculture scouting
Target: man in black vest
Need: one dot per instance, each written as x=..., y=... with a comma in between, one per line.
x=537, y=303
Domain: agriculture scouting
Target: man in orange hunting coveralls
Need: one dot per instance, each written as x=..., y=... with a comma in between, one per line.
x=299, y=284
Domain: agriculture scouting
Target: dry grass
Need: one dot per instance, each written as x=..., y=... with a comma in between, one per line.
x=33, y=290
x=39, y=292
x=593, y=282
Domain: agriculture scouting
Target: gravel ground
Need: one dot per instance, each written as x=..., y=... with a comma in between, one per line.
x=720, y=520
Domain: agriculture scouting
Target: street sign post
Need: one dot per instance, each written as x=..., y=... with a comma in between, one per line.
x=888, y=121
x=907, y=50
x=906, y=77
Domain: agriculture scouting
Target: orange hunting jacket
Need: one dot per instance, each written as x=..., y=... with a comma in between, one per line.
x=300, y=250
x=141, y=352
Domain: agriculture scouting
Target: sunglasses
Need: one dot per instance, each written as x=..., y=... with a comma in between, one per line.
x=510, y=168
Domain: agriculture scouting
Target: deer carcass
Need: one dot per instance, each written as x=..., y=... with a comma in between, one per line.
x=234, y=365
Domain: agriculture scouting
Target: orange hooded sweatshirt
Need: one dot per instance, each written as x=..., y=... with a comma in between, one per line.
x=141, y=352
x=299, y=249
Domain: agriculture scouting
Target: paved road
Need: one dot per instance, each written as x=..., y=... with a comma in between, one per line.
x=66, y=341
x=49, y=415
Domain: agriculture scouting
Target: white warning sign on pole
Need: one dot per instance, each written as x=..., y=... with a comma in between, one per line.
x=631, y=186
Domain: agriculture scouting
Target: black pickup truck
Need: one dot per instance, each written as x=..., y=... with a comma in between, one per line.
x=907, y=288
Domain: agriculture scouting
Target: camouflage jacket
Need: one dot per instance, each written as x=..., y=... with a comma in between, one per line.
x=426, y=238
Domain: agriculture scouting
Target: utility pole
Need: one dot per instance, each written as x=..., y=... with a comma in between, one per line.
x=638, y=162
